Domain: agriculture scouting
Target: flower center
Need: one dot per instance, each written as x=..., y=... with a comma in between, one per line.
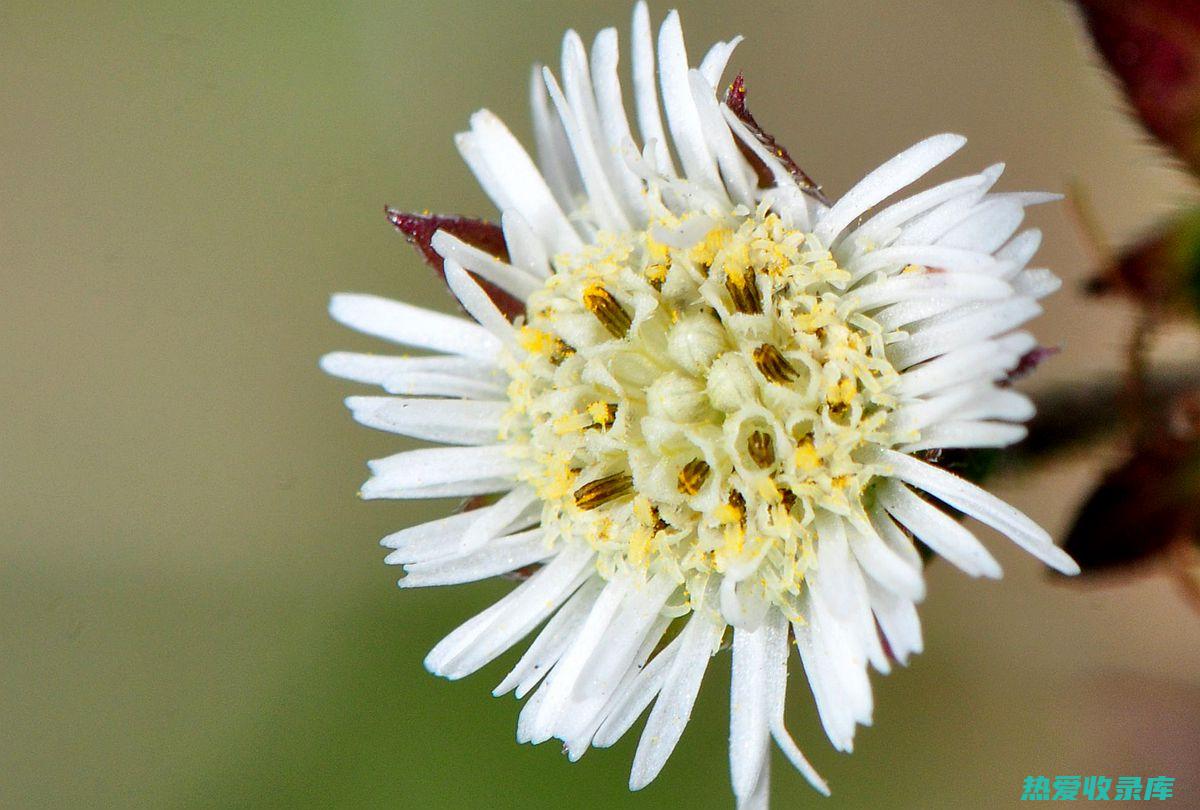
x=693, y=396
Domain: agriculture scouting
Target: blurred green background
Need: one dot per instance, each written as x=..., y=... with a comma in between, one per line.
x=193, y=608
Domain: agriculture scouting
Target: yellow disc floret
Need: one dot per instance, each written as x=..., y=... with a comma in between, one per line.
x=691, y=404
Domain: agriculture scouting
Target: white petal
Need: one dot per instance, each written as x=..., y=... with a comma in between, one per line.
x=939, y=531
x=1036, y=282
x=898, y=620
x=498, y=518
x=901, y=212
x=601, y=198
x=490, y=633
x=615, y=125
x=631, y=702
x=512, y=181
x=437, y=420
x=956, y=286
x=499, y=556
x=930, y=226
x=413, y=326
x=477, y=302
x=548, y=647
x=517, y=282
x=749, y=732
x=885, y=181
x=983, y=506
x=776, y=658
x=712, y=67
x=375, y=369
x=542, y=723
x=414, y=473
x=833, y=564
x=673, y=709
x=892, y=259
x=987, y=227
x=1021, y=248
x=884, y=565
x=733, y=166
x=554, y=152
x=967, y=434
x=988, y=360
x=524, y=248
x=646, y=90
x=962, y=329
x=682, y=117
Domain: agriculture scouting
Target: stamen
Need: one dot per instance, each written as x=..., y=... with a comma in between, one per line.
x=612, y=315
x=762, y=448
x=603, y=414
x=744, y=293
x=693, y=475
x=738, y=502
x=561, y=351
x=596, y=493
x=773, y=365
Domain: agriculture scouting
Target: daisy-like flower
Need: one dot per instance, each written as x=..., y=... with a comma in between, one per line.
x=697, y=403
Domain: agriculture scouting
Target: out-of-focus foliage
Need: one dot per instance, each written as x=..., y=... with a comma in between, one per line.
x=1153, y=47
x=1149, y=504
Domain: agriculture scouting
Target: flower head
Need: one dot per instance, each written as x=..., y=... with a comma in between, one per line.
x=696, y=396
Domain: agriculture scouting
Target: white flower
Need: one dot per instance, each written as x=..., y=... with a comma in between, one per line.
x=711, y=415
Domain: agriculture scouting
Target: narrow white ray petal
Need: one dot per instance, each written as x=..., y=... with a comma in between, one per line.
x=645, y=90
x=413, y=326
x=436, y=420
x=885, y=181
x=939, y=531
x=630, y=704
x=734, y=169
x=577, y=744
x=898, y=213
x=375, y=369
x=434, y=532
x=486, y=266
x=438, y=384
x=614, y=124
x=427, y=468
x=478, y=303
x=1036, y=282
x=498, y=517
x=966, y=434
x=983, y=506
x=712, y=67
x=524, y=248
x=895, y=537
x=560, y=684
x=885, y=565
x=892, y=259
x=916, y=415
x=1021, y=248
x=760, y=796
x=442, y=539
x=956, y=286
x=374, y=489
x=601, y=198
x=1027, y=198
x=841, y=664
x=480, y=639
x=615, y=653
x=833, y=563
x=499, y=556
x=682, y=116
x=931, y=225
x=987, y=227
x=776, y=660
x=554, y=152
x=697, y=643
x=998, y=403
x=987, y=360
x=749, y=730
x=548, y=647
x=512, y=181
x=963, y=329
x=898, y=620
